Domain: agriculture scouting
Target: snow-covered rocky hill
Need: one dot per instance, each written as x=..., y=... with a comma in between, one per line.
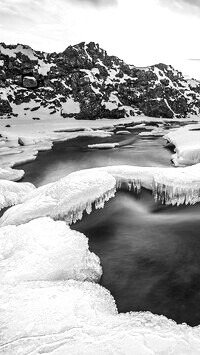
x=85, y=82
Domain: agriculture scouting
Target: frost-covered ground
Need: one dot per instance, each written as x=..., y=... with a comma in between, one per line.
x=50, y=300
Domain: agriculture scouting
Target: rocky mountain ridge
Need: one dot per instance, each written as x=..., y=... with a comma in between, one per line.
x=86, y=83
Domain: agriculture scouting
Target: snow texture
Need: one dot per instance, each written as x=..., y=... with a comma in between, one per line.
x=71, y=317
x=46, y=250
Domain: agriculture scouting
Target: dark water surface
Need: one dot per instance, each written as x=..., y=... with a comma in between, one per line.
x=150, y=254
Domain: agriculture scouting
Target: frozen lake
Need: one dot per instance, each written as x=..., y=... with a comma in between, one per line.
x=149, y=253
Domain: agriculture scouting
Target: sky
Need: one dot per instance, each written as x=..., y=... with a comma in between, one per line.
x=141, y=32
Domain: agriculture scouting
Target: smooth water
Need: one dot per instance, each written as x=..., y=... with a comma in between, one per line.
x=150, y=253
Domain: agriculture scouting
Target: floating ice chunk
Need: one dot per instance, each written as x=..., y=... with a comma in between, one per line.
x=103, y=145
x=123, y=132
x=80, y=318
x=65, y=199
x=11, y=174
x=12, y=193
x=46, y=250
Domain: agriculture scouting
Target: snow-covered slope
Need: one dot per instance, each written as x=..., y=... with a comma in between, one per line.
x=85, y=82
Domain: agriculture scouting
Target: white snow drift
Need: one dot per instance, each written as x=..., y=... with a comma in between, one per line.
x=46, y=250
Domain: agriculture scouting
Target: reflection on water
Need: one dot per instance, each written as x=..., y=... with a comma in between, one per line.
x=149, y=253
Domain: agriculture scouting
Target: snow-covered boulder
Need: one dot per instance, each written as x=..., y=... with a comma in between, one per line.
x=11, y=174
x=12, y=193
x=46, y=250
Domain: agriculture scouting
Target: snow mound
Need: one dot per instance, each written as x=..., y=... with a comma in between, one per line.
x=12, y=193
x=74, y=317
x=65, y=199
x=11, y=174
x=46, y=250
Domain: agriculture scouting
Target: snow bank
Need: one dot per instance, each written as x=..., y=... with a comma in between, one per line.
x=65, y=199
x=74, y=317
x=46, y=250
x=11, y=174
x=187, y=145
x=12, y=193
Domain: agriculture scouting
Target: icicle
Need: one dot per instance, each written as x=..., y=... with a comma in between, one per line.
x=88, y=208
x=131, y=184
x=175, y=195
x=77, y=214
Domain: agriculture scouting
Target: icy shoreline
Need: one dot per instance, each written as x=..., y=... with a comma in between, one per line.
x=53, y=308
x=22, y=139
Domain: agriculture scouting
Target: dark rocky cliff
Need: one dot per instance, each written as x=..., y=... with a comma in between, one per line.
x=85, y=82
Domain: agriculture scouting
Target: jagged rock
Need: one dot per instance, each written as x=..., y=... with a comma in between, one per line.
x=102, y=85
x=5, y=107
x=29, y=82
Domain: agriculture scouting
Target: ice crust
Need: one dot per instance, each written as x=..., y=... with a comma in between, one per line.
x=69, y=197
x=46, y=250
x=12, y=193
